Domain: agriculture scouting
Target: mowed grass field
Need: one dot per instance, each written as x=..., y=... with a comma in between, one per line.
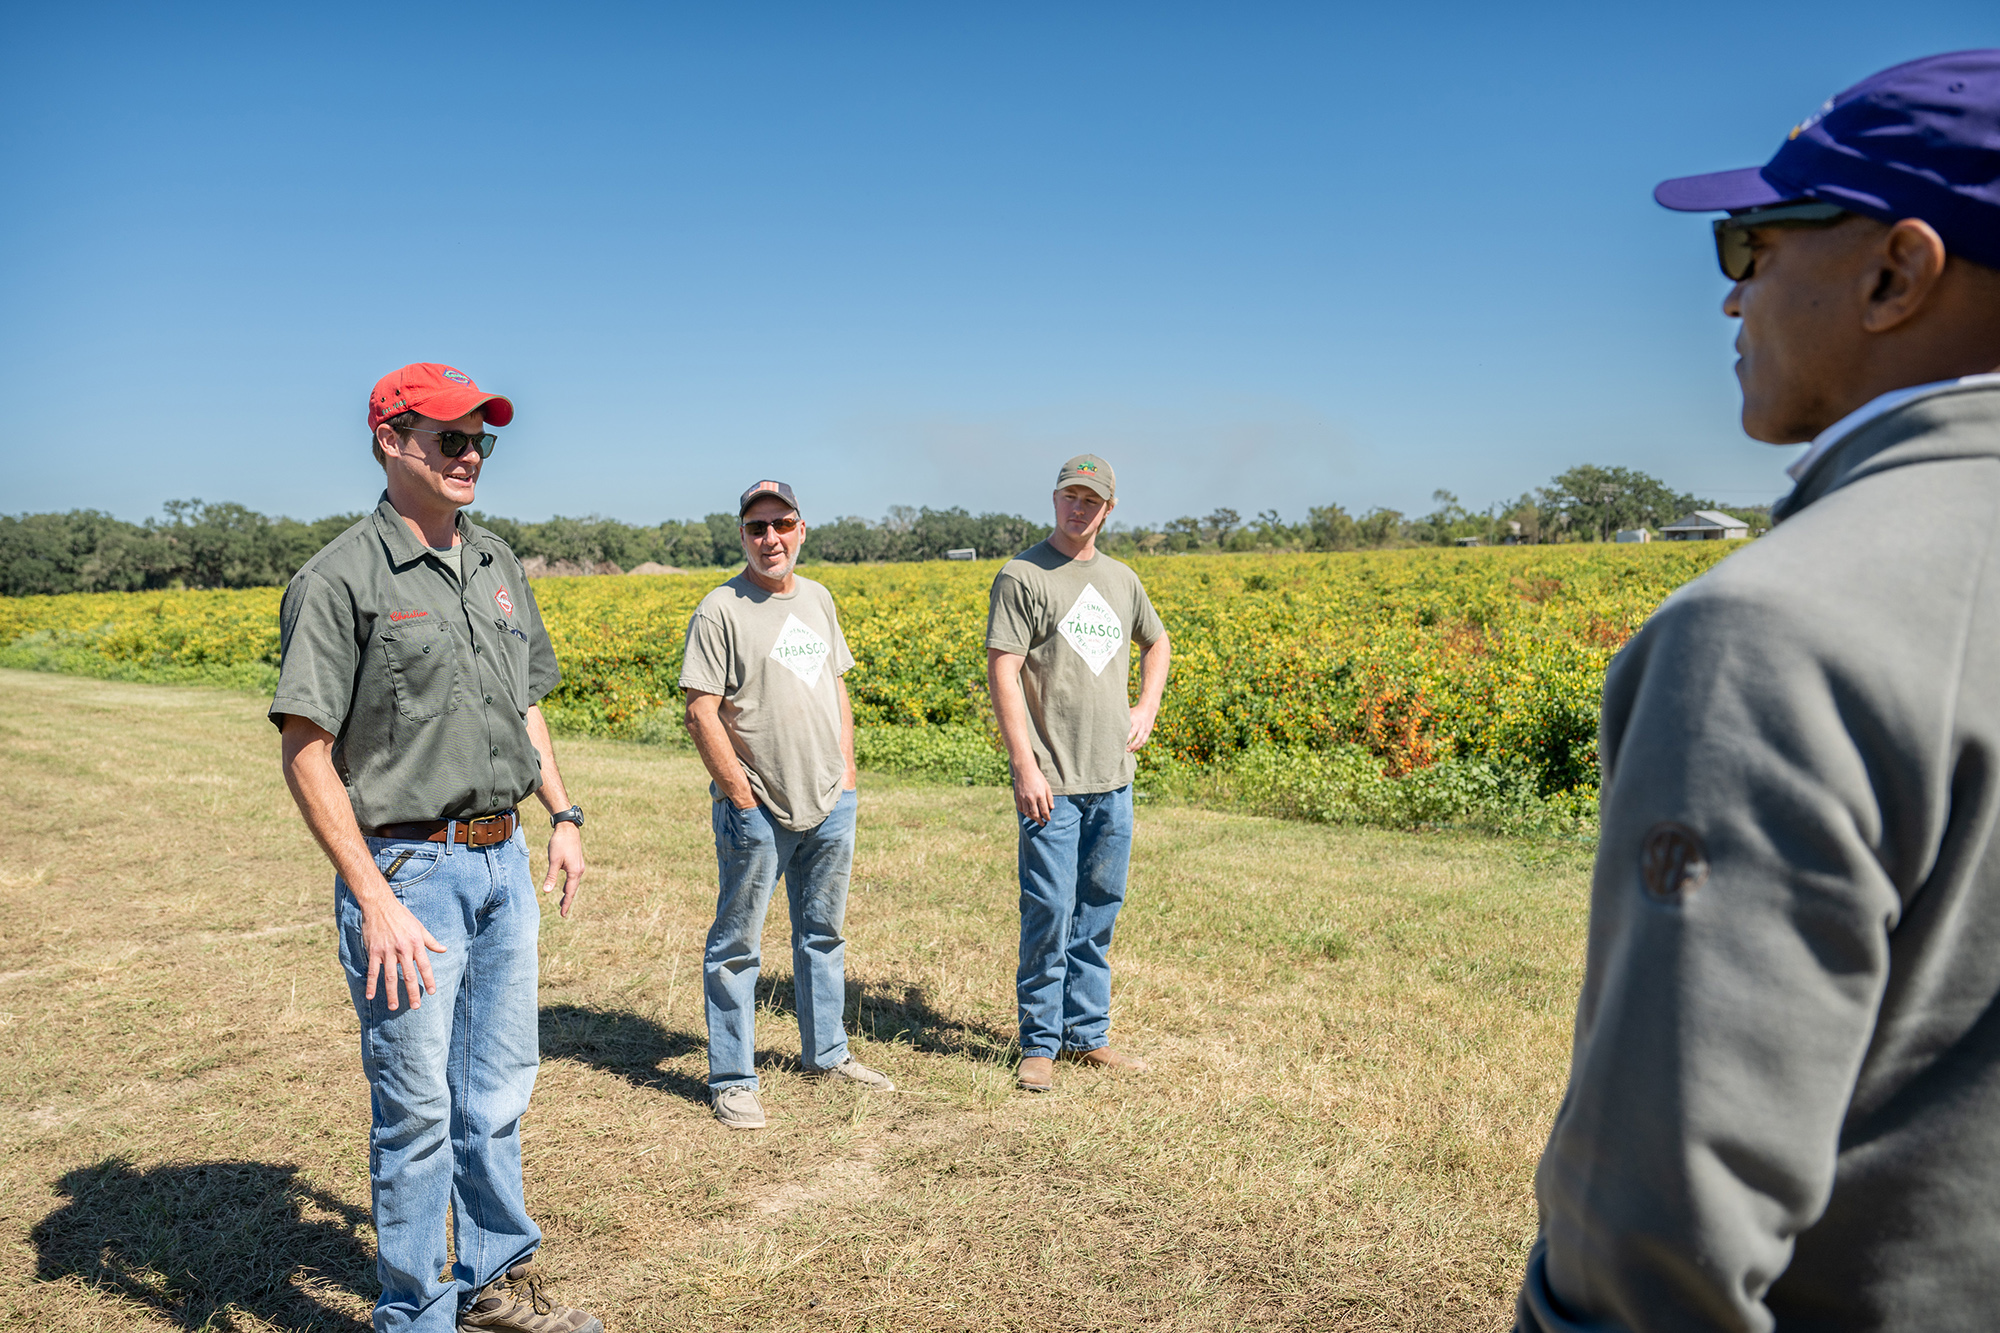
x=1358, y=1040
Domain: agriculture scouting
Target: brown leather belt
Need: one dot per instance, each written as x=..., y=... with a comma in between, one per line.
x=481, y=832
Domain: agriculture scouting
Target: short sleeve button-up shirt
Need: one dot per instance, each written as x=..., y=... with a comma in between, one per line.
x=424, y=679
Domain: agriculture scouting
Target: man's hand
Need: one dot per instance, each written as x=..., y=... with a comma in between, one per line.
x=1142, y=726
x=1031, y=793
x=397, y=945
x=566, y=861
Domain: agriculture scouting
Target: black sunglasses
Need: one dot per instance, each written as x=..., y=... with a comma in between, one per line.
x=756, y=526
x=452, y=443
x=1732, y=234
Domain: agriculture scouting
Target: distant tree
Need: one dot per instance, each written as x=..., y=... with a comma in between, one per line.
x=1594, y=502
x=1218, y=526
x=225, y=545
x=1379, y=527
x=84, y=550
x=845, y=541
x=1183, y=533
x=725, y=543
x=1331, y=528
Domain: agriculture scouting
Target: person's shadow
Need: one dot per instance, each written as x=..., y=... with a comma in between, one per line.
x=211, y=1245
x=623, y=1043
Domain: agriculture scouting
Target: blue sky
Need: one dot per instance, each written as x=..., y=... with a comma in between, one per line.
x=1264, y=256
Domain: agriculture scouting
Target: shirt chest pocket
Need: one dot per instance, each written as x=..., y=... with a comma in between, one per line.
x=423, y=666
x=513, y=664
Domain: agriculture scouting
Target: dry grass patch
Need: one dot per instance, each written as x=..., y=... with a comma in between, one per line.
x=1358, y=1040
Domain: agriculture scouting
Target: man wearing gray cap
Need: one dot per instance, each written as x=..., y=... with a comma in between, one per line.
x=1059, y=630
x=769, y=713
x=1784, y=1097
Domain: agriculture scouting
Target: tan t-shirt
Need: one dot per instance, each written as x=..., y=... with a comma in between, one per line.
x=776, y=661
x=1075, y=622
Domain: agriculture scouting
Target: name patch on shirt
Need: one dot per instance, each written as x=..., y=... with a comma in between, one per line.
x=1093, y=629
x=406, y=615
x=800, y=651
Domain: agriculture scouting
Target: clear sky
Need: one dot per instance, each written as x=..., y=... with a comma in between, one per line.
x=1259, y=255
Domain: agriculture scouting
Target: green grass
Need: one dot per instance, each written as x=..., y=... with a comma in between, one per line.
x=1358, y=1039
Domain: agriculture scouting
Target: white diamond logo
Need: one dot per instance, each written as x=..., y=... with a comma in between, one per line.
x=800, y=651
x=1094, y=630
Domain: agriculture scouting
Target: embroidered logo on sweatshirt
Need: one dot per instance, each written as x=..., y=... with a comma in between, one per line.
x=1094, y=630
x=1672, y=861
x=800, y=651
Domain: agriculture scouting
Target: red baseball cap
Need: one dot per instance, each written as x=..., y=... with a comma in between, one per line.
x=439, y=392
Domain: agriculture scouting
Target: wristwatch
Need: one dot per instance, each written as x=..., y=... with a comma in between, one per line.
x=573, y=815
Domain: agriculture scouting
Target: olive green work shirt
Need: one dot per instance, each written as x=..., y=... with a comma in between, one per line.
x=424, y=679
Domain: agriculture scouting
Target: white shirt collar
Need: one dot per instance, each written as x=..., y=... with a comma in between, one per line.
x=1823, y=442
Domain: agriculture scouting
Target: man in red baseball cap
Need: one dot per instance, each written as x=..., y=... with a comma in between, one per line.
x=414, y=662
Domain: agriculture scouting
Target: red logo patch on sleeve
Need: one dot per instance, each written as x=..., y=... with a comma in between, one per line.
x=506, y=602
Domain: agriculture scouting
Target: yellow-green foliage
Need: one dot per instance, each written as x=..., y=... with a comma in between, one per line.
x=1417, y=656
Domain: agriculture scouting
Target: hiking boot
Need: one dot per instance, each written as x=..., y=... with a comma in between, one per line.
x=738, y=1108
x=515, y=1303
x=1037, y=1073
x=1106, y=1058
x=853, y=1071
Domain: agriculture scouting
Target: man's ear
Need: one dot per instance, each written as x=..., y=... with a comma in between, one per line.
x=1909, y=259
x=387, y=440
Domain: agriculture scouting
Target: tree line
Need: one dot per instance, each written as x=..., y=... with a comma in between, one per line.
x=196, y=544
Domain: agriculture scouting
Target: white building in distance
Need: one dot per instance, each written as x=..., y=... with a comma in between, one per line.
x=1706, y=525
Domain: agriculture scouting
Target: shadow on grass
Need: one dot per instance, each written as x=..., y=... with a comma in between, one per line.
x=902, y=1011
x=210, y=1245
x=626, y=1044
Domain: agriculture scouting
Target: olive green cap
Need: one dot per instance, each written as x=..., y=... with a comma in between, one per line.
x=1092, y=471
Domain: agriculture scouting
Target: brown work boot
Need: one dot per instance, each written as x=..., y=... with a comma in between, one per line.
x=1036, y=1074
x=514, y=1303
x=1106, y=1058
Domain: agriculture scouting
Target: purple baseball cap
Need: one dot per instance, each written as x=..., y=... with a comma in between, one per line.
x=1919, y=140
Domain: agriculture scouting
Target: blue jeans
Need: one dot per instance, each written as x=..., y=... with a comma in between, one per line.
x=1072, y=885
x=751, y=851
x=449, y=1082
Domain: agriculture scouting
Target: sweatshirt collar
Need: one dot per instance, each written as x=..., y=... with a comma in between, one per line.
x=1824, y=442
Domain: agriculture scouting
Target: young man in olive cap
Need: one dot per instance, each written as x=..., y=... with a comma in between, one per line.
x=1061, y=621
x=1784, y=1097
x=413, y=666
x=769, y=712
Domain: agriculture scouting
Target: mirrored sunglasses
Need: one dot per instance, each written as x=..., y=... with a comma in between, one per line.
x=757, y=526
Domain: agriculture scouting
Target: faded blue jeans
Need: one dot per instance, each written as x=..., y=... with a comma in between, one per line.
x=1072, y=885
x=449, y=1082
x=751, y=851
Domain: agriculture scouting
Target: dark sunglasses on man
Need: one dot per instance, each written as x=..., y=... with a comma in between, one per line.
x=756, y=526
x=1732, y=234
x=452, y=443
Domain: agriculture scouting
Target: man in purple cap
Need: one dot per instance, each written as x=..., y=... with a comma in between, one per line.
x=1784, y=1100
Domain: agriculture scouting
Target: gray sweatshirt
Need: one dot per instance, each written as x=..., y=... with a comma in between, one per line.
x=1784, y=1098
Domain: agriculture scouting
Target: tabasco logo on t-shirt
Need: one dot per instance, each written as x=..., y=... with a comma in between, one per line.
x=1093, y=629
x=800, y=651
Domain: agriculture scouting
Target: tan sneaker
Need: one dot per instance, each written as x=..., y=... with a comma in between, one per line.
x=514, y=1303
x=852, y=1070
x=738, y=1108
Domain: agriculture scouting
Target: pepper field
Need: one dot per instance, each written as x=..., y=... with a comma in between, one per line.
x=1413, y=656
